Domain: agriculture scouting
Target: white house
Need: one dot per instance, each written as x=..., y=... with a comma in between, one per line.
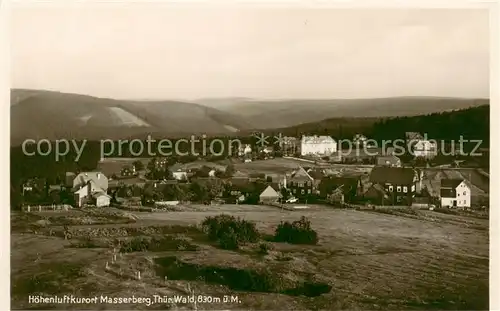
x=180, y=174
x=317, y=145
x=88, y=187
x=421, y=147
x=455, y=193
x=244, y=150
x=425, y=149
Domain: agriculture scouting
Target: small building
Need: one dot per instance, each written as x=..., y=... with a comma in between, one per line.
x=101, y=199
x=455, y=193
x=391, y=161
x=376, y=194
x=340, y=189
x=269, y=196
x=180, y=174
x=238, y=189
x=128, y=171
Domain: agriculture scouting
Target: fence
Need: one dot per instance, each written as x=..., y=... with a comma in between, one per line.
x=40, y=208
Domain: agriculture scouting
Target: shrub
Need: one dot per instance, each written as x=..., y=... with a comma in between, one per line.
x=297, y=232
x=264, y=248
x=137, y=244
x=230, y=231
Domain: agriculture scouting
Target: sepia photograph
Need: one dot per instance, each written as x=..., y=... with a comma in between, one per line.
x=240, y=157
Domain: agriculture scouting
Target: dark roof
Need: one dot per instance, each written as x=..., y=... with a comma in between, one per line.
x=451, y=183
x=394, y=175
x=241, y=184
x=448, y=193
x=376, y=189
x=316, y=173
x=205, y=180
x=382, y=160
x=329, y=184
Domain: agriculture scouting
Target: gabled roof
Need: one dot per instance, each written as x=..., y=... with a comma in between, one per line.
x=377, y=188
x=413, y=135
x=315, y=173
x=451, y=183
x=393, y=175
x=301, y=174
x=84, y=177
x=269, y=192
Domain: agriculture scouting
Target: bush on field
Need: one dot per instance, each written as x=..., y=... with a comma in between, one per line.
x=230, y=231
x=297, y=232
x=264, y=248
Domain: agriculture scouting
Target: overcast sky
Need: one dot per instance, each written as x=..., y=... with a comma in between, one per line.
x=159, y=52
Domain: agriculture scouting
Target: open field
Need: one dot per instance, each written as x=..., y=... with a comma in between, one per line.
x=370, y=260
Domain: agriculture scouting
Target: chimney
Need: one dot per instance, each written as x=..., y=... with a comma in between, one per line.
x=89, y=188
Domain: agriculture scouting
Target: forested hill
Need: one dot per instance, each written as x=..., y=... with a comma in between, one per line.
x=471, y=123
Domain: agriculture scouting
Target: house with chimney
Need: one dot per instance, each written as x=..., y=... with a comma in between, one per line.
x=88, y=188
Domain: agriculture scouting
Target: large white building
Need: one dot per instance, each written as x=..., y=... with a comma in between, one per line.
x=318, y=145
x=455, y=193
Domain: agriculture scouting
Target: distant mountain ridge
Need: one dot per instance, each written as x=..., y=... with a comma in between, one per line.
x=37, y=114
x=270, y=114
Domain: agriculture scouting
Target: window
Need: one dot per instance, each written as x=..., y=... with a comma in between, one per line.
x=308, y=190
x=399, y=188
x=391, y=188
x=302, y=191
x=464, y=193
x=405, y=189
x=413, y=188
x=458, y=194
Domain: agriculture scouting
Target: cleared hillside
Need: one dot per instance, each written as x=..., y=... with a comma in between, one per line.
x=52, y=115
